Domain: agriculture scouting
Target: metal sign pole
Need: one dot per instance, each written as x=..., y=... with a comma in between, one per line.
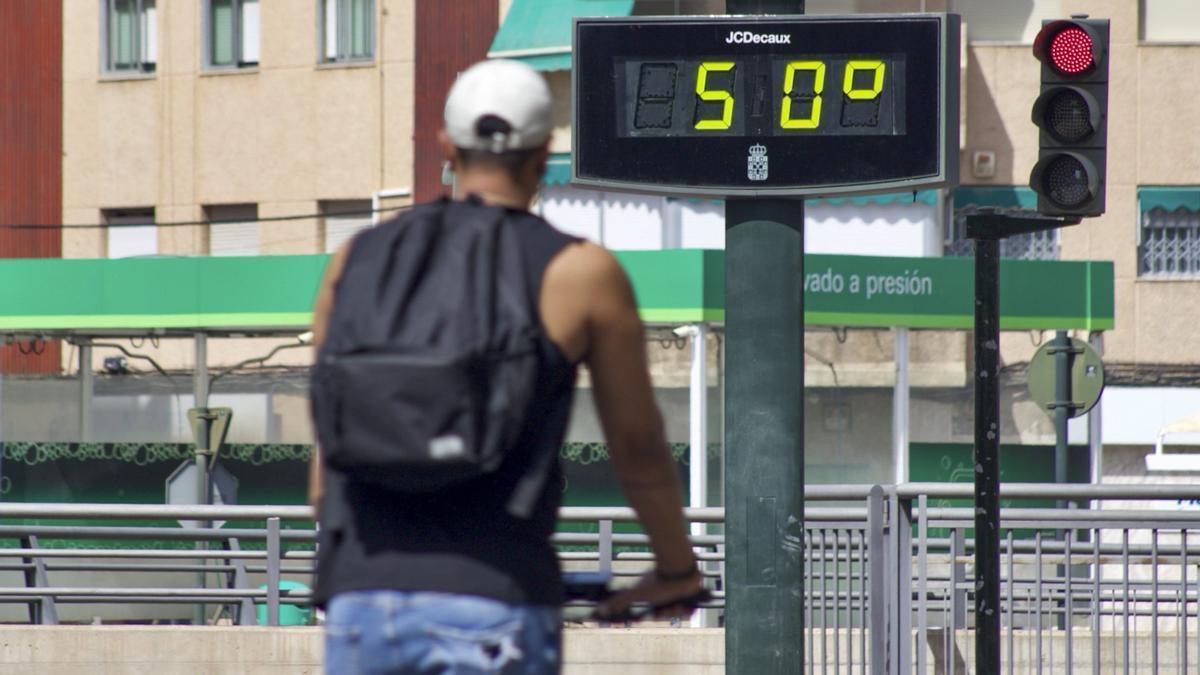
x=764, y=436
x=987, y=455
x=764, y=430
x=987, y=228
x=1061, y=347
x=200, y=395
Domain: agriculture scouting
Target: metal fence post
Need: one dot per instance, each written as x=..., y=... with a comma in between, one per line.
x=273, y=565
x=903, y=570
x=958, y=577
x=605, y=546
x=957, y=603
x=239, y=579
x=922, y=579
x=876, y=558
x=42, y=610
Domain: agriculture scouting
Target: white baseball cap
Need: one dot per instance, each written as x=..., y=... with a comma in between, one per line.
x=499, y=105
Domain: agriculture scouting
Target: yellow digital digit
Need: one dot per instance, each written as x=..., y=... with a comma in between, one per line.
x=876, y=81
x=715, y=95
x=789, y=82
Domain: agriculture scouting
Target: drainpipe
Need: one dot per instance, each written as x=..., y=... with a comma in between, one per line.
x=379, y=195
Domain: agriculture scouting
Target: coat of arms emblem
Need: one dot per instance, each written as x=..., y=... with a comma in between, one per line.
x=756, y=162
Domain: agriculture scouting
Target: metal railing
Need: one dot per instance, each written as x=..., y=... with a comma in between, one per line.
x=889, y=571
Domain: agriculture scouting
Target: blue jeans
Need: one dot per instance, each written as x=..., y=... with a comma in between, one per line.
x=394, y=632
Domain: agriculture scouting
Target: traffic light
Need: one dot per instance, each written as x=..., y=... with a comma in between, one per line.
x=1072, y=114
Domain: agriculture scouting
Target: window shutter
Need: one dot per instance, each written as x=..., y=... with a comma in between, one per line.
x=250, y=31
x=340, y=229
x=331, y=30
x=129, y=242
x=237, y=236
x=149, y=33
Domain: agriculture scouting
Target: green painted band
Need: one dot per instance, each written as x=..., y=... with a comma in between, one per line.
x=680, y=315
x=884, y=319
x=141, y=321
x=878, y=320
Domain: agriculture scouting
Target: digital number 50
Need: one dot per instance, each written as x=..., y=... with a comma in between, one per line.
x=814, y=95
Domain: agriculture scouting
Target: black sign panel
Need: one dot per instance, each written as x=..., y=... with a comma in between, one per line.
x=806, y=105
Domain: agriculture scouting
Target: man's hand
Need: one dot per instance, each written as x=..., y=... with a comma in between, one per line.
x=675, y=599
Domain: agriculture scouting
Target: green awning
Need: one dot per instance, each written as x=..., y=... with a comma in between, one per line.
x=1169, y=198
x=1000, y=196
x=538, y=32
x=558, y=169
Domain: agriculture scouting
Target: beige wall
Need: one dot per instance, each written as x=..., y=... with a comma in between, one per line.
x=284, y=135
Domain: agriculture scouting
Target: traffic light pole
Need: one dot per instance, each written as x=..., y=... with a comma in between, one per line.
x=764, y=430
x=987, y=228
x=987, y=455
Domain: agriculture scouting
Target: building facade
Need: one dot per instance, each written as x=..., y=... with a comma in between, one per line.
x=242, y=127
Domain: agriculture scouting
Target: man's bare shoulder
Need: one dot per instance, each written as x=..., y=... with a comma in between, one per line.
x=584, y=266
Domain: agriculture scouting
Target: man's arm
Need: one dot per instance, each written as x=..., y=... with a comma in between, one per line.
x=322, y=309
x=614, y=349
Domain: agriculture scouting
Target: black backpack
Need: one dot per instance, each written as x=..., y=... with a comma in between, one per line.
x=431, y=356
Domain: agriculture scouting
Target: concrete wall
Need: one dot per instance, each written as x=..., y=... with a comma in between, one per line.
x=26, y=650
x=177, y=650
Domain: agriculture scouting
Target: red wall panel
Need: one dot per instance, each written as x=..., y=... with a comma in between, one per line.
x=450, y=37
x=30, y=148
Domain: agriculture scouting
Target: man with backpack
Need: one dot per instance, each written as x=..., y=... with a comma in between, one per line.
x=448, y=341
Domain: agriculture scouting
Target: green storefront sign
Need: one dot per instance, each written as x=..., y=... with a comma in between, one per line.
x=844, y=290
x=275, y=293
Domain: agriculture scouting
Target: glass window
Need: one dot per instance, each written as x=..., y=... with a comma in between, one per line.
x=233, y=229
x=347, y=30
x=1169, y=241
x=131, y=36
x=130, y=232
x=233, y=29
x=1044, y=245
x=1008, y=21
x=1170, y=20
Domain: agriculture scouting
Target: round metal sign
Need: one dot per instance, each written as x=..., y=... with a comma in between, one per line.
x=1087, y=378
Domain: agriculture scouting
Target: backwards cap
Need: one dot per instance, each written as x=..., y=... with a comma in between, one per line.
x=497, y=106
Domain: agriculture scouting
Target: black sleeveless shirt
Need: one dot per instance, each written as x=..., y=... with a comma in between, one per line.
x=465, y=540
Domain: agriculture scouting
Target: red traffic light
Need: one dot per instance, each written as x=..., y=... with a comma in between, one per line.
x=1069, y=48
x=1071, y=51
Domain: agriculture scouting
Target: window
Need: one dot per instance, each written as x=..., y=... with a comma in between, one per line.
x=1170, y=20
x=1008, y=21
x=1169, y=245
x=342, y=220
x=131, y=36
x=233, y=229
x=233, y=29
x=1042, y=245
x=347, y=30
x=130, y=232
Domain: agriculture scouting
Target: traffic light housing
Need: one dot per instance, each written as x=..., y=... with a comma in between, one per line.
x=1071, y=113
